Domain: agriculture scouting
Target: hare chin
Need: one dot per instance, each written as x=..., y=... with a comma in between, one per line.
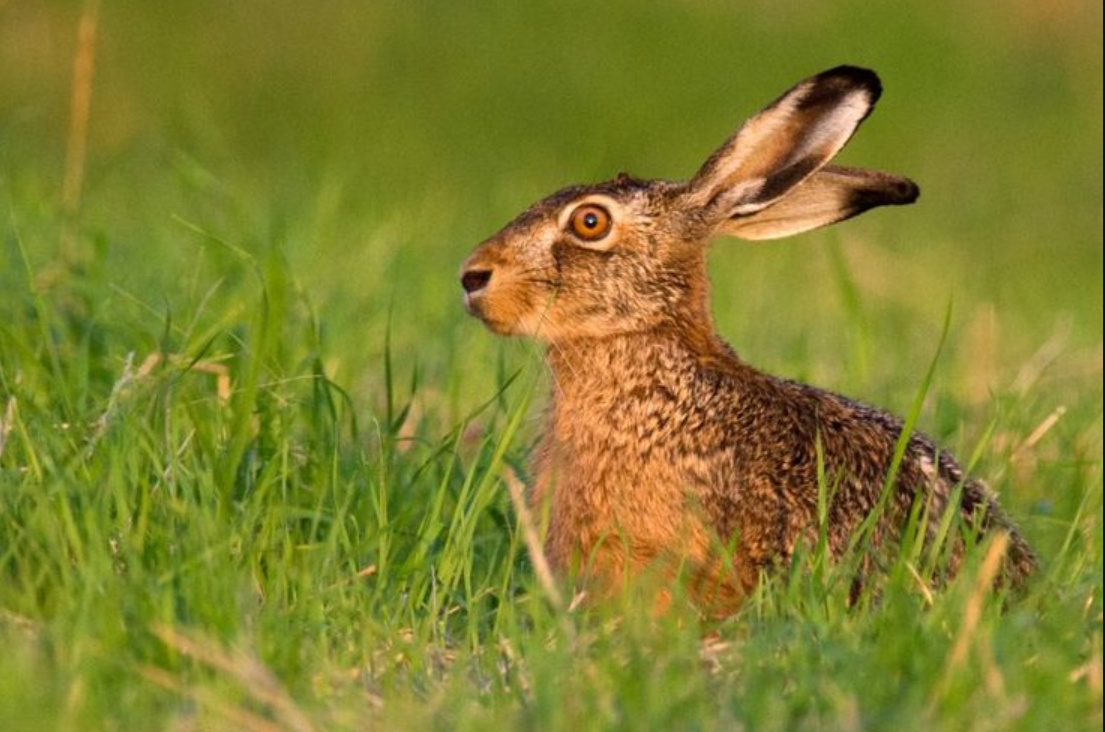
x=498, y=326
x=506, y=320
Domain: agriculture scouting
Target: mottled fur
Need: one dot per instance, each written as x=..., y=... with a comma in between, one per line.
x=662, y=447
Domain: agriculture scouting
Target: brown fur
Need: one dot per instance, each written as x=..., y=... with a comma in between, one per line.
x=662, y=447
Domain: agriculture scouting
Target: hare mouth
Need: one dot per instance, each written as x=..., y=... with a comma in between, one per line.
x=475, y=305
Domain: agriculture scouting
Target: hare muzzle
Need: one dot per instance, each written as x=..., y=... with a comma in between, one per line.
x=476, y=278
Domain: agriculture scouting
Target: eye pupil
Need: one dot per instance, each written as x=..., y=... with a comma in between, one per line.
x=591, y=221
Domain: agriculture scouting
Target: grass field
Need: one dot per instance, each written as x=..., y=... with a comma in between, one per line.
x=252, y=451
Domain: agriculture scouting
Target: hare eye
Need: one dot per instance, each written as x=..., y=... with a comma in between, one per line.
x=590, y=222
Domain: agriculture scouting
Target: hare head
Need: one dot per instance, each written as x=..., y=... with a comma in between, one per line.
x=629, y=255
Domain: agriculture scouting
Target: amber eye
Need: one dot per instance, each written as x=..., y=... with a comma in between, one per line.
x=590, y=222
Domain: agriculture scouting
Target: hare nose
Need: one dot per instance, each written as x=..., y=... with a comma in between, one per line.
x=475, y=280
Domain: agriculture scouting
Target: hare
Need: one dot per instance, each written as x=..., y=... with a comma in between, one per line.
x=662, y=447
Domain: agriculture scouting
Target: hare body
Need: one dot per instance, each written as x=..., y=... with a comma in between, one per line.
x=662, y=447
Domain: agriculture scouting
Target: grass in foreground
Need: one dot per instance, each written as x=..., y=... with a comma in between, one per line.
x=176, y=555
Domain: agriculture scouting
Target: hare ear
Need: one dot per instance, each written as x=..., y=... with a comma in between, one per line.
x=784, y=144
x=831, y=194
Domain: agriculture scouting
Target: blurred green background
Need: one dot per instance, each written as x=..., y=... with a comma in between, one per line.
x=350, y=155
x=376, y=143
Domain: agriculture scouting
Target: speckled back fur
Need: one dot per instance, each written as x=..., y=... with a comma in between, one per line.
x=662, y=448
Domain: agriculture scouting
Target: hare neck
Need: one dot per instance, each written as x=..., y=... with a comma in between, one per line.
x=598, y=372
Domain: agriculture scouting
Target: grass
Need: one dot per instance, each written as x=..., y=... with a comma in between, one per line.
x=254, y=459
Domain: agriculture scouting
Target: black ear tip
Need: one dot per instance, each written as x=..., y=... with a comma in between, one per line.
x=905, y=191
x=853, y=77
x=883, y=189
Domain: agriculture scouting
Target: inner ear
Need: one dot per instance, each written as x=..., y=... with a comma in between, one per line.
x=830, y=195
x=790, y=140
